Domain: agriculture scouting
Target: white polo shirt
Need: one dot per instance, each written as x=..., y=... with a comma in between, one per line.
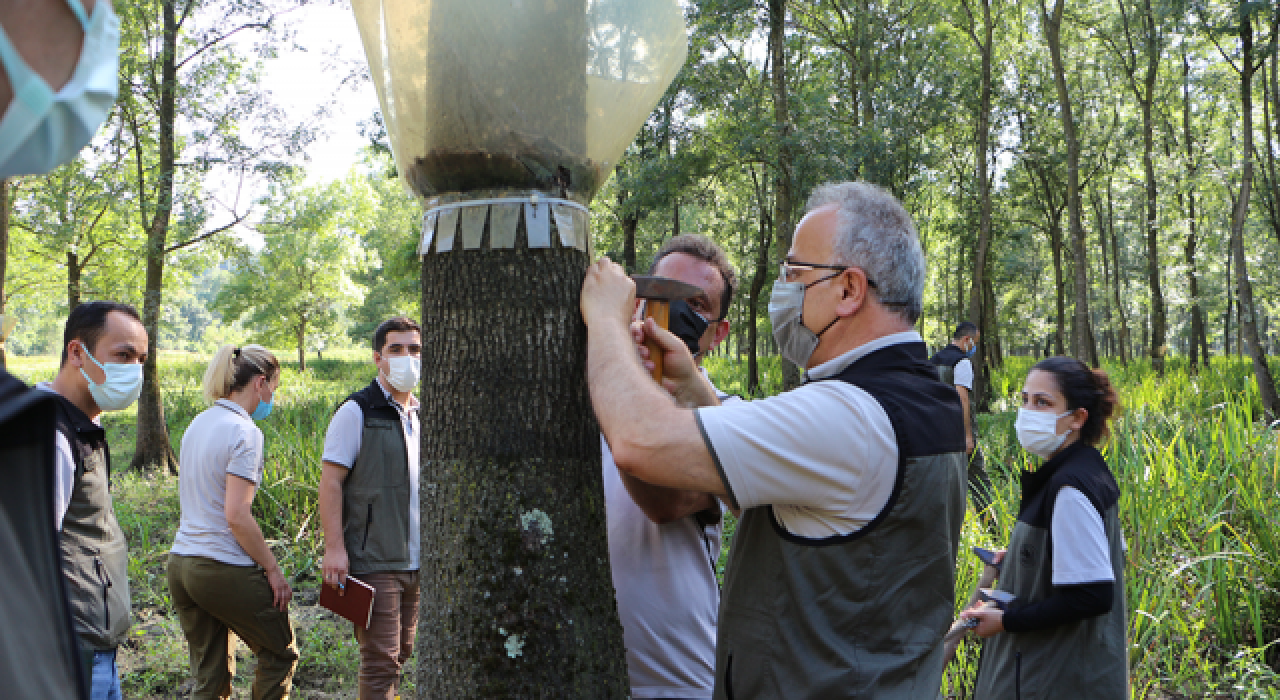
x=64, y=468
x=824, y=455
x=667, y=593
x=342, y=446
x=222, y=442
x=962, y=375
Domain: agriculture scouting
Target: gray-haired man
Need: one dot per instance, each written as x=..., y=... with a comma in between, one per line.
x=840, y=582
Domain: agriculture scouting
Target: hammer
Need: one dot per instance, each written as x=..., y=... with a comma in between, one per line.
x=658, y=293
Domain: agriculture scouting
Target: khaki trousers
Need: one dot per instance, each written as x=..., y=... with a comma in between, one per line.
x=215, y=599
x=388, y=643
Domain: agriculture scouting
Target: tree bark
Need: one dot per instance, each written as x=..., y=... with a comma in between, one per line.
x=1123, y=340
x=302, y=347
x=4, y=256
x=978, y=310
x=1082, y=346
x=763, y=246
x=1199, y=350
x=152, y=446
x=782, y=194
x=520, y=602
x=1055, y=240
x=74, y=268
x=1244, y=289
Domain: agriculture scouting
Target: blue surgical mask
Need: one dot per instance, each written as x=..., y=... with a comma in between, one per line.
x=263, y=409
x=119, y=389
x=43, y=128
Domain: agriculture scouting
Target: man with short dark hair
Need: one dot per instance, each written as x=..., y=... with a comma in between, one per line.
x=841, y=580
x=664, y=543
x=369, y=503
x=956, y=368
x=103, y=347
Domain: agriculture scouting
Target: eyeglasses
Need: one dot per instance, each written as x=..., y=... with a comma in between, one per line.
x=789, y=270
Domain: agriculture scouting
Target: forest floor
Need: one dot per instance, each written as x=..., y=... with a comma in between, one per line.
x=1198, y=469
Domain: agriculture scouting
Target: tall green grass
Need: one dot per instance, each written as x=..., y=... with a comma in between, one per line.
x=1198, y=470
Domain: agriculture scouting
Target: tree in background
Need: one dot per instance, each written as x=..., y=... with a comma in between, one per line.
x=299, y=285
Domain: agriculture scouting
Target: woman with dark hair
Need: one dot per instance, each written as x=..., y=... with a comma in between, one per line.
x=223, y=577
x=1063, y=636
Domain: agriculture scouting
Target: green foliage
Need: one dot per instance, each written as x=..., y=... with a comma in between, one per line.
x=297, y=288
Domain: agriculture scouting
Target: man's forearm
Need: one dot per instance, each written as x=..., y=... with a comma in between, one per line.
x=663, y=505
x=331, y=511
x=249, y=536
x=652, y=439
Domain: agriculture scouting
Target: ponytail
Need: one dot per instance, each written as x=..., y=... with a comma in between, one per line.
x=232, y=368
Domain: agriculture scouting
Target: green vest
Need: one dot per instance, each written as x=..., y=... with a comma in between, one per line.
x=375, y=496
x=1083, y=659
x=95, y=559
x=859, y=615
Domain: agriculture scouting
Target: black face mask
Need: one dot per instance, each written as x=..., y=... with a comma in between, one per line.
x=687, y=325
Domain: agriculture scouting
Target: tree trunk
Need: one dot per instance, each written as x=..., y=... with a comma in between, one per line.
x=74, y=268
x=1199, y=350
x=979, y=313
x=152, y=446
x=302, y=347
x=1108, y=336
x=1244, y=289
x=4, y=257
x=782, y=195
x=1115, y=271
x=1231, y=295
x=1060, y=287
x=1082, y=346
x=763, y=246
x=520, y=602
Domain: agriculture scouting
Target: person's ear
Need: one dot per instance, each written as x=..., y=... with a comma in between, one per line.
x=721, y=331
x=1078, y=418
x=853, y=291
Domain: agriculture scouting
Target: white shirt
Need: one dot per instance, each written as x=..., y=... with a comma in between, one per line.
x=222, y=442
x=64, y=469
x=342, y=446
x=667, y=593
x=962, y=375
x=824, y=455
x=1081, y=553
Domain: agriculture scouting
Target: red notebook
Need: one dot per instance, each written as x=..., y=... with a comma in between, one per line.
x=356, y=603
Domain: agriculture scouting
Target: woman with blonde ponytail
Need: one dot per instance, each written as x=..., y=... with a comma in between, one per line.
x=223, y=577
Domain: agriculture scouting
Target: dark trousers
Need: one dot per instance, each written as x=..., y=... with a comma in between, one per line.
x=215, y=599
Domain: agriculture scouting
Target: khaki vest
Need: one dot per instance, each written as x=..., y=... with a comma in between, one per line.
x=1083, y=659
x=859, y=615
x=95, y=560
x=375, y=496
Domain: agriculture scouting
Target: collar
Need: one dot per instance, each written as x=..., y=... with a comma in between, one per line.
x=233, y=407
x=386, y=393
x=1033, y=481
x=836, y=365
x=82, y=421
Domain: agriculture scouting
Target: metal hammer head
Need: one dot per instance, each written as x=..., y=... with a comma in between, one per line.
x=664, y=288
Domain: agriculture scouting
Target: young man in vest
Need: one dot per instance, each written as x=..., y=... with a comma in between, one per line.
x=664, y=543
x=103, y=347
x=840, y=583
x=369, y=503
x=956, y=368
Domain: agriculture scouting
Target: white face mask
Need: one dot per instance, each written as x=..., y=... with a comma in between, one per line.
x=121, y=386
x=42, y=129
x=1038, y=432
x=404, y=372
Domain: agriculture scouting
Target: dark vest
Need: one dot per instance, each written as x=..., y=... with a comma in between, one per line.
x=859, y=615
x=375, y=496
x=1083, y=659
x=95, y=560
x=945, y=360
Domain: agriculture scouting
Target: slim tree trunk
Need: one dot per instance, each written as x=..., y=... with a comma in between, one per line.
x=74, y=268
x=1055, y=240
x=1199, y=350
x=1108, y=335
x=782, y=194
x=152, y=445
x=1115, y=271
x=4, y=257
x=1083, y=346
x=1244, y=289
x=979, y=312
x=520, y=601
x=763, y=246
x=302, y=347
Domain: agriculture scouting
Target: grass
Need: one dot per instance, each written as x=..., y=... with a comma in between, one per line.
x=1197, y=467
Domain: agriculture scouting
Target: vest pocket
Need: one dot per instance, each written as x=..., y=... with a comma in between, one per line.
x=105, y=579
x=368, y=525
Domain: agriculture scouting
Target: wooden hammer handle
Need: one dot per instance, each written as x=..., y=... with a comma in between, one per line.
x=660, y=311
